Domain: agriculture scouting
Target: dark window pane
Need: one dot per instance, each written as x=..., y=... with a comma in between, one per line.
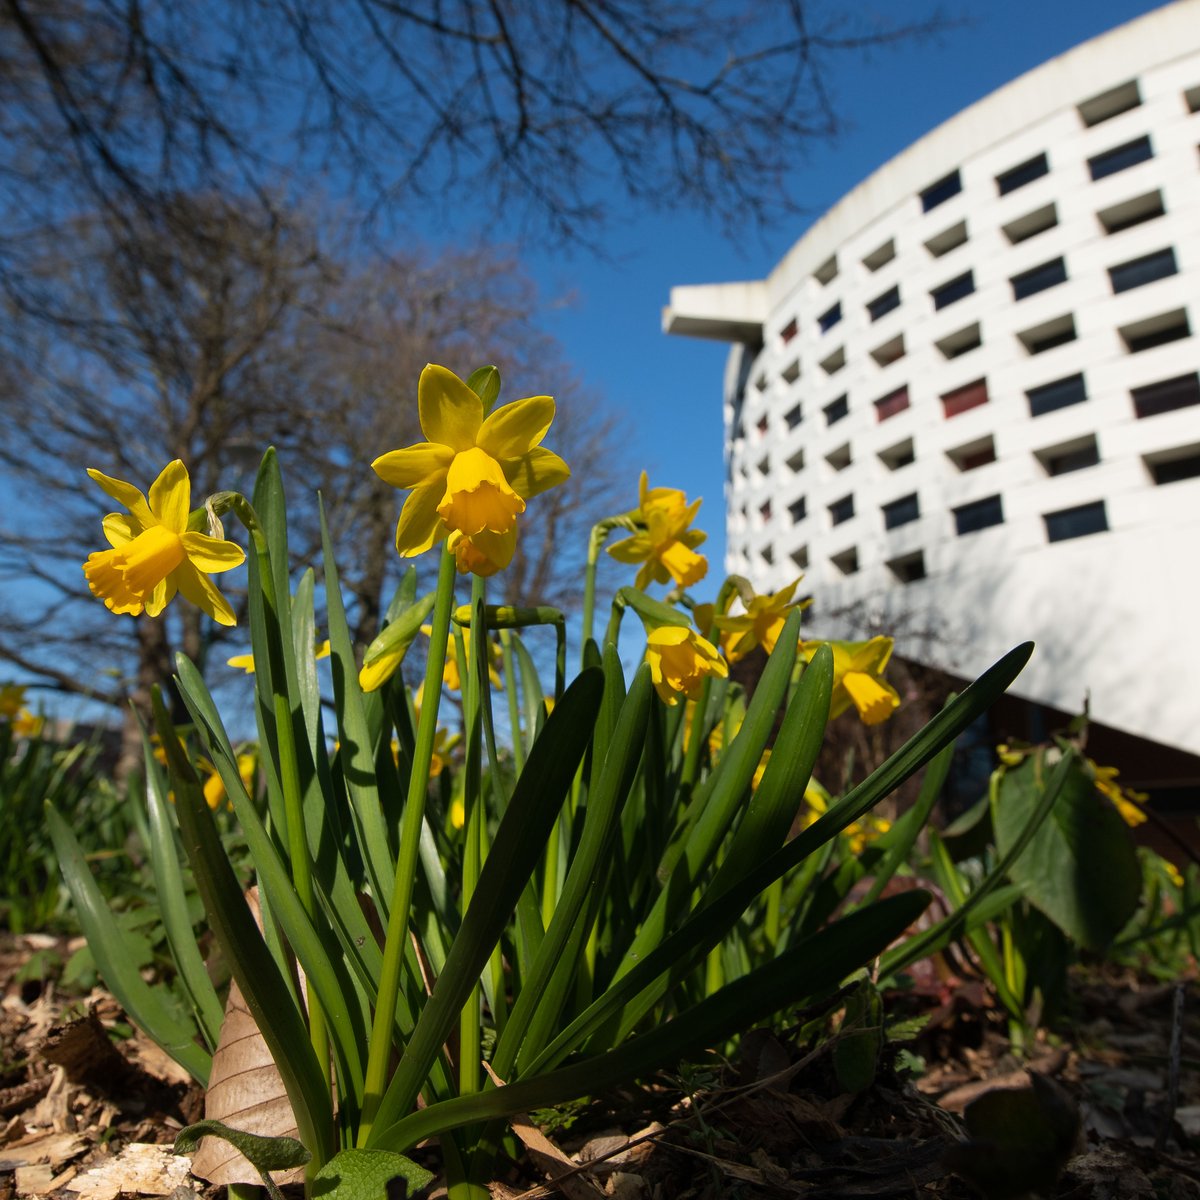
x=978, y=458
x=1166, y=396
x=979, y=515
x=841, y=510
x=1168, y=331
x=1059, y=394
x=1121, y=157
x=893, y=403
x=901, y=512
x=885, y=303
x=1073, y=460
x=1019, y=176
x=910, y=568
x=1142, y=270
x=1176, y=469
x=798, y=510
x=836, y=410
x=940, y=192
x=793, y=416
x=1076, y=522
x=828, y=319
x=1029, y=283
x=788, y=331
x=972, y=395
x=956, y=289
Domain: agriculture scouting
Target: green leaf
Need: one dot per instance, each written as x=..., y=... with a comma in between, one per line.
x=516, y=850
x=264, y=1153
x=117, y=963
x=365, y=1174
x=860, y=1039
x=1081, y=868
x=485, y=383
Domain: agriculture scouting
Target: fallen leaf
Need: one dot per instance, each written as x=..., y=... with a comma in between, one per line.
x=139, y=1169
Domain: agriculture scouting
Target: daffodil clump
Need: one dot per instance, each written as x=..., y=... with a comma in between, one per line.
x=499, y=892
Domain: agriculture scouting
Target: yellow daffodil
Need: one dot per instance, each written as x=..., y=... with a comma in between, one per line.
x=665, y=547
x=20, y=720
x=858, y=678
x=858, y=833
x=245, y=662
x=760, y=624
x=716, y=743
x=154, y=554
x=680, y=660
x=471, y=479
x=1125, y=800
x=443, y=746
x=214, y=789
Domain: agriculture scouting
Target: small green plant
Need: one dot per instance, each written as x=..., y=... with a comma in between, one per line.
x=614, y=890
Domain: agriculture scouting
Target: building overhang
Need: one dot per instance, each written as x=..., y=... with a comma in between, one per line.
x=720, y=312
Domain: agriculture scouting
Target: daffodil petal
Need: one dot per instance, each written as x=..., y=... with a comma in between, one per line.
x=202, y=592
x=631, y=549
x=874, y=698
x=171, y=496
x=514, y=429
x=414, y=465
x=126, y=494
x=212, y=555
x=120, y=529
x=161, y=596
x=535, y=472
x=450, y=412
x=420, y=526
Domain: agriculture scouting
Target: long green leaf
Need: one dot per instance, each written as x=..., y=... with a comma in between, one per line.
x=266, y=993
x=811, y=968
x=116, y=965
x=516, y=849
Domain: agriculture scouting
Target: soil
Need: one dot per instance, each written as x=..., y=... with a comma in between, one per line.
x=89, y=1107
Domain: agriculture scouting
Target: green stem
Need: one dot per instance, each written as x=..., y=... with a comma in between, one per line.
x=514, y=705
x=600, y=532
x=406, y=862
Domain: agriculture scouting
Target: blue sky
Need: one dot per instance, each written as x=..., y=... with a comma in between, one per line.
x=669, y=388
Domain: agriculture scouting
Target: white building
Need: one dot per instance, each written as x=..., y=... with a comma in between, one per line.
x=971, y=391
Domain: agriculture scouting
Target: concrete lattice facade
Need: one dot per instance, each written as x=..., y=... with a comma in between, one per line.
x=971, y=392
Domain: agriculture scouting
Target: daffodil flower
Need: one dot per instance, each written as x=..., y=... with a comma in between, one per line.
x=245, y=662
x=470, y=480
x=154, y=554
x=858, y=678
x=760, y=625
x=214, y=788
x=19, y=719
x=680, y=660
x=665, y=546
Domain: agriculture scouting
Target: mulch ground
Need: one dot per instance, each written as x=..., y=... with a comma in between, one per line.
x=89, y=1108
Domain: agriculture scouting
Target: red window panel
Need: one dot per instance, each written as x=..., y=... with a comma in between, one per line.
x=963, y=398
x=893, y=403
x=788, y=331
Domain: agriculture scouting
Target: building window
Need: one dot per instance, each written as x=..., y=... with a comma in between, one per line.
x=947, y=240
x=827, y=271
x=974, y=454
x=891, y=351
x=1167, y=396
x=835, y=362
x=1048, y=275
x=1048, y=335
x=908, y=569
x=1120, y=158
x=764, y=466
x=882, y=305
x=899, y=455
x=798, y=510
x=960, y=342
x=847, y=561
x=1175, y=466
x=1131, y=212
x=956, y=289
x=978, y=515
x=893, y=403
x=839, y=459
x=767, y=553
x=1110, y=104
x=1062, y=393
x=940, y=192
x=1076, y=522
x=1019, y=176
x=836, y=410
x=881, y=257
x=1030, y=225
x=901, y=512
x=1192, y=99
x=762, y=426
x=971, y=395
x=1139, y=271
x=793, y=416
x=764, y=510
x=791, y=372
x=830, y=317
x=1156, y=331
x=841, y=510
x=1077, y=455
x=795, y=464
x=800, y=558
x=788, y=331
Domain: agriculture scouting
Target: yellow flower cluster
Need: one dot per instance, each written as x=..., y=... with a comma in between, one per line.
x=665, y=544
x=15, y=715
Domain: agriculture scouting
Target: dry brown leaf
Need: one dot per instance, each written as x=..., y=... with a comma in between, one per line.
x=138, y=1170
x=51, y=1148
x=245, y=1090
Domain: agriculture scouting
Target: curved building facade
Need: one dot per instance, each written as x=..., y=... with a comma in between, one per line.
x=968, y=399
